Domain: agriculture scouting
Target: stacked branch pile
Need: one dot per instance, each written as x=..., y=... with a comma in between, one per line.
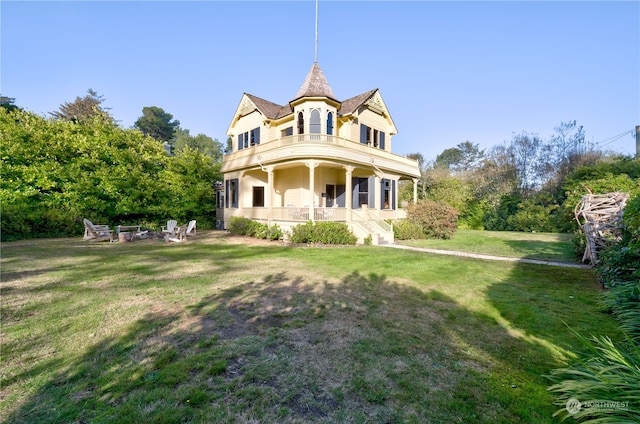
x=600, y=218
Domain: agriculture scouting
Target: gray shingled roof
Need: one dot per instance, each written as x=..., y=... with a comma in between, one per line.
x=269, y=109
x=315, y=85
x=350, y=105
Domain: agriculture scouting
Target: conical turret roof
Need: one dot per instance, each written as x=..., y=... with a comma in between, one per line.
x=315, y=85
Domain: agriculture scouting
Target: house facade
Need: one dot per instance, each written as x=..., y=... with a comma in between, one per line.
x=316, y=158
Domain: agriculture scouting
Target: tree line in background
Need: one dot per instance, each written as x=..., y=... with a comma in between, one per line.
x=525, y=184
x=80, y=163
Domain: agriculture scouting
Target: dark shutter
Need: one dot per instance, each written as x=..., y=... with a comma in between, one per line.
x=240, y=141
x=257, y=130
x=393, y=194
x=226, y=194
x=383, y=184
x=381, y=140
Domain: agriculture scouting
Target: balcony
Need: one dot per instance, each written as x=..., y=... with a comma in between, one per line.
x=318, y=146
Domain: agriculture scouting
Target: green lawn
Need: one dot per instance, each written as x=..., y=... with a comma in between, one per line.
x=540, y=246
x=216, y=330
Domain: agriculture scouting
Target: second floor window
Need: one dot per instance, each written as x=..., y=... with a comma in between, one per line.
x=249, y=138
x=300, y=123
x=243, y=140
x=255, y=136
x=371, y=137
x=287, y=131
x=314, y=122
x=330, y=123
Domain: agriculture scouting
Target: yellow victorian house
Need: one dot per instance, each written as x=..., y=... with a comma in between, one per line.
x=316, y=158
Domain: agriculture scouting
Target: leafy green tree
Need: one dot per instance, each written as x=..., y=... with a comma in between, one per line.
x=157, y=123
x=190, y=180
x=228, y=149
x=565, y=151
x=8, y=102
x=54, y=173
x=524, y=155
x=201, y=142
x=82, y=108
x=462, y=158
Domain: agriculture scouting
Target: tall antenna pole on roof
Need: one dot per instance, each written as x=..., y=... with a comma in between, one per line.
x=315, y=60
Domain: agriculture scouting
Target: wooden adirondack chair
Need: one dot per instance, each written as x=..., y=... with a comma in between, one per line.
x=93, y=232
x=170, y=227
x=180, y=233
x=191, y=228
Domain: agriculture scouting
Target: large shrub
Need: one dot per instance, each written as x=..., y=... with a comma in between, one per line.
x=323, y=232
x=54, y=173
x=497, y=218
x=403, y=229
x=594, y=179
x=619, y=270
x=247, y=227
x=437, y=220
x=531, y=216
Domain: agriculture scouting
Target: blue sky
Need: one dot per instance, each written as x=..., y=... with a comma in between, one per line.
x=448, y=71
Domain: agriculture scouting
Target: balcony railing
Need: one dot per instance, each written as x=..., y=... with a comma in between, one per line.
x=294, y=214
x=273, y=150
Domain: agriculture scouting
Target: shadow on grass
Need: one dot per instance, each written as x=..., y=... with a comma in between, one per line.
x=285, y=348
x=551, y=250
x=546, y=308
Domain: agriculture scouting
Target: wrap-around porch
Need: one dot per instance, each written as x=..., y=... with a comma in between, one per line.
x=314, y=190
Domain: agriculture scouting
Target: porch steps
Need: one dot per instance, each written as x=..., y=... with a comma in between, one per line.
x=379, y=231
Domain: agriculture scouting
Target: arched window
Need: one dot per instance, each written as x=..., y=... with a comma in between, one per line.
x=300, y=123
x=314, y=122
x=330, y=123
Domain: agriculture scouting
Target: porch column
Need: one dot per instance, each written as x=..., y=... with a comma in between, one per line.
x=349, y=191
x=312, y=164
x=269, y=196
x=415, y=190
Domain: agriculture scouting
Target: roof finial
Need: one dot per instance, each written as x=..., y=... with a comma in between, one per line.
x=315, y=60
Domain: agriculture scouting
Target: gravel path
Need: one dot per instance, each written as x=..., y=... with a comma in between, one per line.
x=488, y=257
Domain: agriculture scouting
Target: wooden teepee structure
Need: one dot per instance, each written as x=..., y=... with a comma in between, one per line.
x=600, y=217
